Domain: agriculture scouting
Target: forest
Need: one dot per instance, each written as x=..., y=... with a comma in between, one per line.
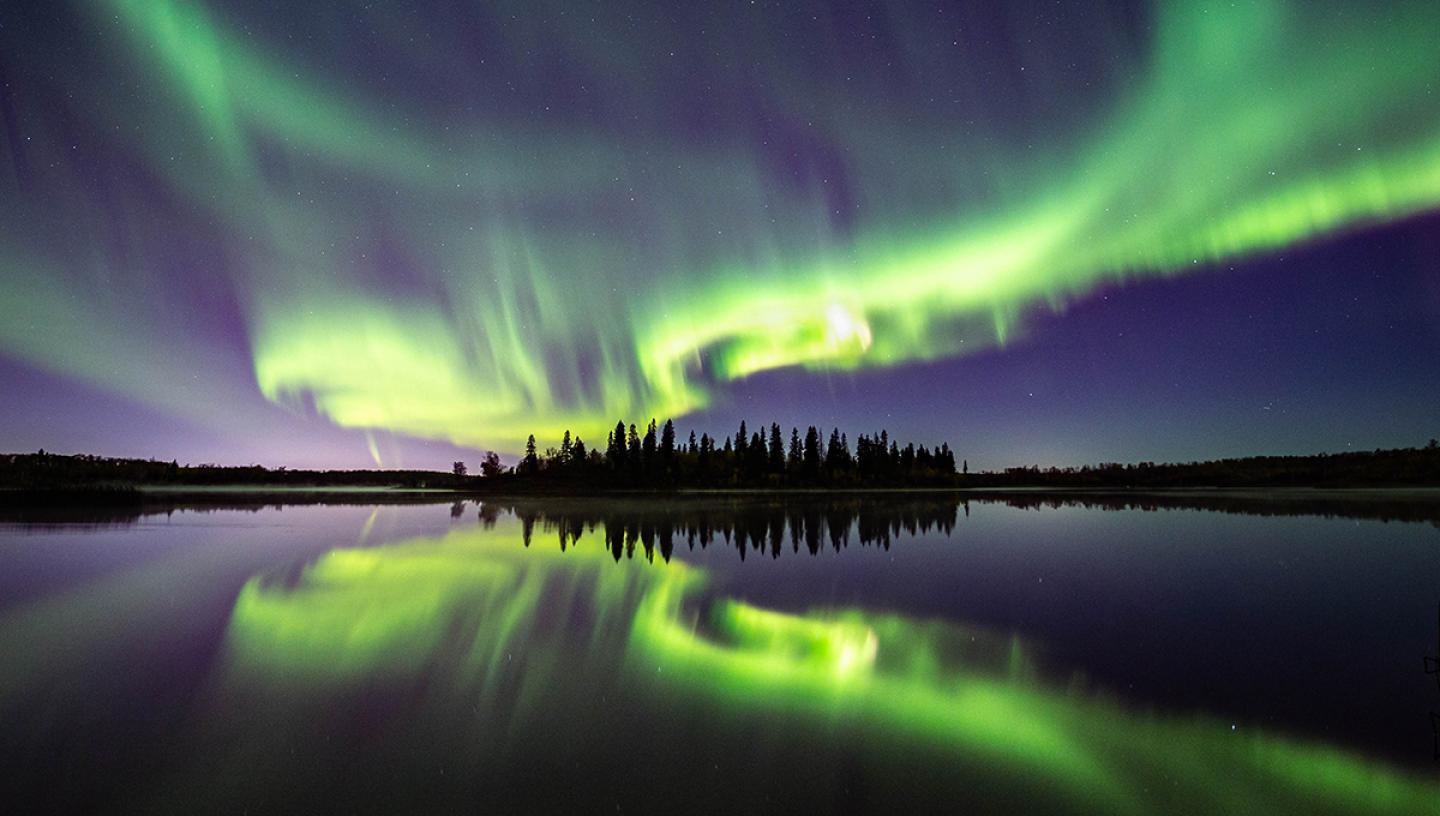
x=655, y=459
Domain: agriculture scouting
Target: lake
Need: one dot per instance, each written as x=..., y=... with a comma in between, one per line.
x=889, y=653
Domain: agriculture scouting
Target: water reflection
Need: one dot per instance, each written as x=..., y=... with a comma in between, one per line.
x=500, y=656
x=770, y=525
x=759, y=525
x=803, y=521
x=510, y=664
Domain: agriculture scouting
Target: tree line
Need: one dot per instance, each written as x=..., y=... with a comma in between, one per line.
x=658, y=460
x=45, y=471
x=763, y=458
x=1396, y=467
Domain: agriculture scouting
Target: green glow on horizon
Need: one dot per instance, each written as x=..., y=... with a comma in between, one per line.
x=467, y=613
x=675, y=268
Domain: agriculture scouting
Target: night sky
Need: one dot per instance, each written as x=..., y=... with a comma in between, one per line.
x=336, y=234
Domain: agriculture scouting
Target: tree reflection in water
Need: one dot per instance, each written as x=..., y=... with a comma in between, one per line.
x=501, y=658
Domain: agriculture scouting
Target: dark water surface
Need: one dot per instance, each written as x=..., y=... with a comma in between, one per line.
x=892, y=654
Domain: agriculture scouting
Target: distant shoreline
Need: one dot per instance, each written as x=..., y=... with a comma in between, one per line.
x=51, y=477
x=283, y=493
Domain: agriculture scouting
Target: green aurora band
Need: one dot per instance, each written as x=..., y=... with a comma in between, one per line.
x=561, y=278
x=472, y=607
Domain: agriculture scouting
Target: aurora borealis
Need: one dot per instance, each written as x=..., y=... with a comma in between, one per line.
x=371, y=228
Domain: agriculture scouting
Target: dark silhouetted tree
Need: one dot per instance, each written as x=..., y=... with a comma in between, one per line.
x=946, y=460
x=811, y=453
x=615, y=448
x=704, y=457
x=667, y=449
x=753, y=463
x=647, y=449
x=836, y=457
x=667, y=443
x=531, y=462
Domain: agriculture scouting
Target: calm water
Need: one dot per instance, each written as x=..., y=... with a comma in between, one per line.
x=722, y=655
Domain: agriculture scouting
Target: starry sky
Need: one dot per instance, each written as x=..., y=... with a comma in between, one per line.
x=332, y=234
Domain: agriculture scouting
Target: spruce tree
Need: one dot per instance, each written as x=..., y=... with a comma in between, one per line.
x=615, y=449
x=812, y=453
x=531, y=462
x=647, y=449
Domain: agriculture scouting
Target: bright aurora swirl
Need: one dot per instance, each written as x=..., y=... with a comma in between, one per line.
x=473, y=229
